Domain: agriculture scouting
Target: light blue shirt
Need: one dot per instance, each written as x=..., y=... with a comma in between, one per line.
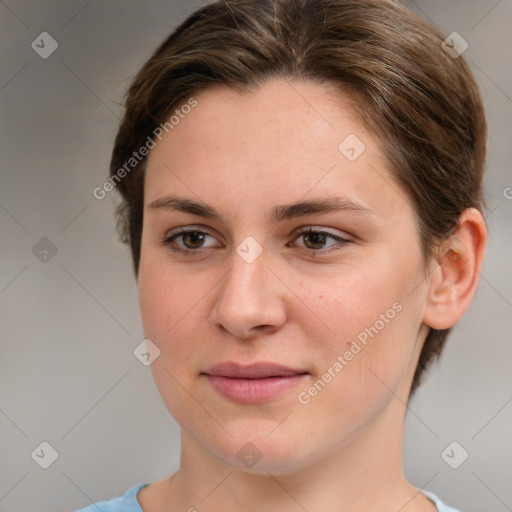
x=129, y=503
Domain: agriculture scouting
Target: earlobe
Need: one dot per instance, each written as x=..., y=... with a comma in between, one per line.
x=457, y=265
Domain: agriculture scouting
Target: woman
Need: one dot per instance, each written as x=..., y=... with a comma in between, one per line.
x=301, y=188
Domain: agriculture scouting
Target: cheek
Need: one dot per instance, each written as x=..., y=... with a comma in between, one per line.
x=163, y=298
x=356, y=298
x=166, y=305
x=174, y=317
x=374, y=320
x=361, y=375
x=163, y=305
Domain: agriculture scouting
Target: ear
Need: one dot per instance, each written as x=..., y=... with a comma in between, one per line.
x=455, y=271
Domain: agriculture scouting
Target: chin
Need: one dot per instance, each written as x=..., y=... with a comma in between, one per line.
x=263, y=454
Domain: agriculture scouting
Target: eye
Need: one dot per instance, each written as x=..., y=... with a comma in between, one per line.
x=315, y=240
x=192, y=240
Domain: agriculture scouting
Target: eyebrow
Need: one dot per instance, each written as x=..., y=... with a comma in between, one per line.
x=277, y=214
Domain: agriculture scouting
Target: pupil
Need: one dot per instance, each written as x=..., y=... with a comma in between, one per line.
x=315, y=238
x=195, y=238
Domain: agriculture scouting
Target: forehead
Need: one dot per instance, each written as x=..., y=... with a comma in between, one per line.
x=300, y=118
x=284, y=141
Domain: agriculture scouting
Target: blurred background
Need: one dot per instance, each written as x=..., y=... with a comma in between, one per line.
x=69, y=310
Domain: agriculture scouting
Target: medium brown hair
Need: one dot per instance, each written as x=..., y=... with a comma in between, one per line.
x=423, y=106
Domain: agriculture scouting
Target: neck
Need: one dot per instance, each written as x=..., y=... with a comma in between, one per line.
x=365, y=473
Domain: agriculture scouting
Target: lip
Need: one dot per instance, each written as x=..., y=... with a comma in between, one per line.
x=254, y=383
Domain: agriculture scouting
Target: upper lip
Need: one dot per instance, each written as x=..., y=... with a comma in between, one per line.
x=260, y=370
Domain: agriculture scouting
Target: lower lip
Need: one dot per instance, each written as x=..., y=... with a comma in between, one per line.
x=253, y=391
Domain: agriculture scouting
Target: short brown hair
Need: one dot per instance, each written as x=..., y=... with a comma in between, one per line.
x=423, y=106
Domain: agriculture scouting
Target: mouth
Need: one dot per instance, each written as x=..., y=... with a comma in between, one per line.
x=254, y=383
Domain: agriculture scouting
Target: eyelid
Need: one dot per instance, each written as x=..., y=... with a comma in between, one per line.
x=323, y=230
x=297, y=232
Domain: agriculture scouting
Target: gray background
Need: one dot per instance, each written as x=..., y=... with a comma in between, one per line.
x=70, y=324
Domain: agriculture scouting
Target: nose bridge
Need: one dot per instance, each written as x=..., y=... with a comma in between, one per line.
x=250, y=296
x=248, y=278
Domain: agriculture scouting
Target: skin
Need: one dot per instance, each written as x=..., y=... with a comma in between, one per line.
x=243, y=155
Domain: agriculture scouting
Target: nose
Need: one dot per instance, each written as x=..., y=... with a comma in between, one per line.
x=250, y=300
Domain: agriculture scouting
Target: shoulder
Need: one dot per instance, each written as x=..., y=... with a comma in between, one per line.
x=441, y=507
x=126, y=503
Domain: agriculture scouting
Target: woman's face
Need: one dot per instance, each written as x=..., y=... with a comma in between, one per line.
x=334, y=316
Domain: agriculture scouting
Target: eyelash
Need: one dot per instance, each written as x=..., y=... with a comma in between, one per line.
x=169, y=240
